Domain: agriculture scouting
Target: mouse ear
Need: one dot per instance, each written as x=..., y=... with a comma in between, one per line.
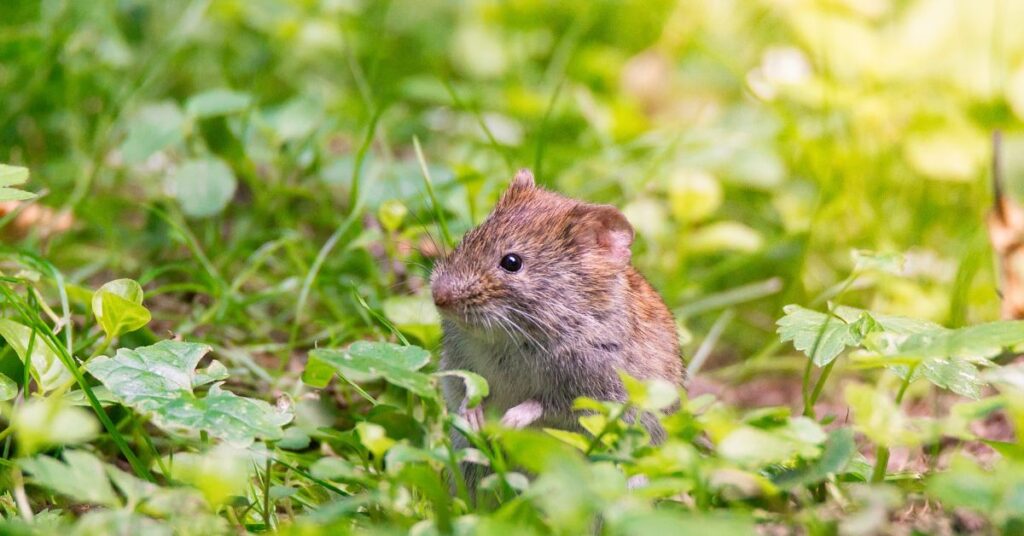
x=612, y=231
x=522, y=179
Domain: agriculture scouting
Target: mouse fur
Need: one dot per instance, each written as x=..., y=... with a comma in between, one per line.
x=562, y=325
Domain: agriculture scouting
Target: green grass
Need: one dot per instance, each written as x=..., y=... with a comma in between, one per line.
x=752, y=145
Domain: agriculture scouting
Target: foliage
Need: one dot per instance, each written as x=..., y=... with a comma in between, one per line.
x=232, y=204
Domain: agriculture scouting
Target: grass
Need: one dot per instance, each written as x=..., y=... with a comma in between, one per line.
x=753, y=146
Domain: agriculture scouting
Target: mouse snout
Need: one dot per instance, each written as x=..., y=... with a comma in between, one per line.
x=444, y=293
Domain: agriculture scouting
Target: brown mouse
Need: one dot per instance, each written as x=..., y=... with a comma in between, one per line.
x=542, y=301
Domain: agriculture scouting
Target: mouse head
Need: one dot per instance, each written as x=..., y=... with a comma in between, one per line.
x=540, y=264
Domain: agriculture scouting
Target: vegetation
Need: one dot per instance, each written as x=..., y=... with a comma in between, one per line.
x=219, y=218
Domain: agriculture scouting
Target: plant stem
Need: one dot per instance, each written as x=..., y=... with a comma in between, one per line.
x=20, y=498
x=818, y=386
x=882, y=453
x=267, y=519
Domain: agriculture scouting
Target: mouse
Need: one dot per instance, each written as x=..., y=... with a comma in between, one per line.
x=543, y=301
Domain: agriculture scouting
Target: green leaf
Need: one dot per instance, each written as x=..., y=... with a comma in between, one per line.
x=202, y=187
x=81, y=477
x=153, y=128
x=821, y=337
x=391, y=213
x=294, y=439
x=570, y=438
x=8, y=388
x=337, y=469
x=476, y=385
x=158, y=381
x=118, y=309
x=538, y=451
x=899, y=325
x=878, y=417
x=369, y=361
x=972, y=343
x=998, y=493
x=295, y=119
x=961, y=377
x=839, y=449
x=100, y=521
x=215, y=102
x=374, y=438
x=415, y=315
x=47, y=369
x=672, y=522
x=220, y=473
x=48, y=422
x=754, y=447
x=651, y=395
x=14, y=194
x=13, y=176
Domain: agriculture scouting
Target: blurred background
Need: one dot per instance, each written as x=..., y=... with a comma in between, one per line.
x=210, y=150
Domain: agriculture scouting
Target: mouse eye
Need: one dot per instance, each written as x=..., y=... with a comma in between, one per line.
x=511, y=262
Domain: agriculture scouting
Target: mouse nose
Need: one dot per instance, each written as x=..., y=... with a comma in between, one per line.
x=443, y=293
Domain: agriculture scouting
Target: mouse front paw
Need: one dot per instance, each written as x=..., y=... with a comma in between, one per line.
x=522, y=415
x=474, y=416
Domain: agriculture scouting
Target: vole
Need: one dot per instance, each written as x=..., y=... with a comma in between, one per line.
x=542, y=301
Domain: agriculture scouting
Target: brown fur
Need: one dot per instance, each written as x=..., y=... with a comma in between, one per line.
x=563, y=325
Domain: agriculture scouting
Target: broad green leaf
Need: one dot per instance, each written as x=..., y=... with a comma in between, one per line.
x=49, y=422
x=415, y=315
x=651, y=395
x=821, y=337
x=8, y=388
x=878, y=417
x=202, y=187
x=374, y=438
x=959, y=376
x=153, y=128
x=740, y=484
x=693, y=195
x=538, y=451
x=221, y=473
x=158, y=381
x=754, y=447
x=839, y=449
x=725, y=236
x=337, y=469
x=294, y=439
x=118, y=309
x=673, y=522
x=99, y=521
x=14, y=194
x=997, y=492
x=403, y=453
x=581, y=442
x=81, y=477
x=47, y=369
x=369, y=361
x=476, y=386
x=295, y=119
x=899, y=325
x=391, y=213
x=13, y=176
x=215, y=102
x=972, y=343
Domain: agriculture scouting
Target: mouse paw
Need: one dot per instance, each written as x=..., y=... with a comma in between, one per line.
x=522, y=415
x=474, y=416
